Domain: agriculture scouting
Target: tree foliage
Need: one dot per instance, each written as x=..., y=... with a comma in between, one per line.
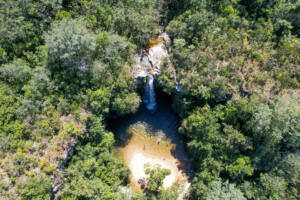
x=66, y=68
x=22, y=24
x=218, y=190
x=156, y=177
x=36, y=188
x=94, y=167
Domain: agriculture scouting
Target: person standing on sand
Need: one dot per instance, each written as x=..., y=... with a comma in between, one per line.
x=144, y=147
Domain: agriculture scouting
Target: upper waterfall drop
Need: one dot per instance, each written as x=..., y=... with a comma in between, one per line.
x=151, y=57
x=148, y=64
x=149, y=96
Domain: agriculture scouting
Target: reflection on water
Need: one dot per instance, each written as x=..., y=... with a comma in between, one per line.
x=151, y=137
x=145, y=139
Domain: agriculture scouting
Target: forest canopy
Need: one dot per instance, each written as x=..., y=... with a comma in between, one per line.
x=66, y=70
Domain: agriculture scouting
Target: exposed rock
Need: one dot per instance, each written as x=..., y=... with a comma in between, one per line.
x=245, y=92
x=156, y=55
x=68, y=149
x=149, y=60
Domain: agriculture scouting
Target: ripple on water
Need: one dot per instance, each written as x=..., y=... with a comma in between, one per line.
x=142, y=140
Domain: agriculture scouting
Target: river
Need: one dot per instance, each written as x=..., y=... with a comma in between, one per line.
x=151, y=137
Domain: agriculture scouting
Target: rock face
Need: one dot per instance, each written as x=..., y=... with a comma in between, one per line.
x=149, y=60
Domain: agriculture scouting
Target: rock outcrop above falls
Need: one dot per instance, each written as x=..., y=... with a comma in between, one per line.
x=150, y=59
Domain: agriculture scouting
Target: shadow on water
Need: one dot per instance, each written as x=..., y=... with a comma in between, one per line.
x=163, y=119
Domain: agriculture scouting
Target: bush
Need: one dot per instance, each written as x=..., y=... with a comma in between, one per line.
x=69, y=44
x=38, y=188
x=70, y=129
x=127, y=105
x=16, y=73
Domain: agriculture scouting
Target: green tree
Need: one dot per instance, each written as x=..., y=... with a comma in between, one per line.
x=273, y=187
x=16, y=73
x=169, y=193
x=219, y=190
x=99, y=100
x=82, y=188
x=274, y=126
x=156, y=177
x=93, y=172
x=69, y=45
x=202, y=129
x=240, y=168
x=38, y=188
x=22, y=24
x=126, y=105
x=40, y=86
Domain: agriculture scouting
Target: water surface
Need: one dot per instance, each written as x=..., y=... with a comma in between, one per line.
x=152, y=137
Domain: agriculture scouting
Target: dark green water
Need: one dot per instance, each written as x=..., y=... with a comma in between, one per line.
x=163, y=119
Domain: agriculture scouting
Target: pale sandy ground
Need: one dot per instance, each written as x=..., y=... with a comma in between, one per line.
x=143, y=147
x=138, y=159
x=137, y=166
x=142, y=150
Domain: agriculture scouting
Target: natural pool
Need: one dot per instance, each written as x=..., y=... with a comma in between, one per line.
x=151, y=137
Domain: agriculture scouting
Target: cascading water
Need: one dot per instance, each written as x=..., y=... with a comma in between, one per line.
x=137, y=144
x=149, y=96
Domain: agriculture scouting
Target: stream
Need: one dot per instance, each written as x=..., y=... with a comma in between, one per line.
x=149, y=94
x=150, y=136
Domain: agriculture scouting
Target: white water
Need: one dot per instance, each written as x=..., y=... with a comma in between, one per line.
x=149, y=97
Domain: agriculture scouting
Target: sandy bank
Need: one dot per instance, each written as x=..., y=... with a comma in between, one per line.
x=137, y=165
x=143, y=149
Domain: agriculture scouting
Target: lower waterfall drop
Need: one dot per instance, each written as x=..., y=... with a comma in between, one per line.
x=149, y=96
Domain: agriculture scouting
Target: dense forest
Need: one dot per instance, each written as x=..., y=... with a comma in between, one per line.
x=66, y=70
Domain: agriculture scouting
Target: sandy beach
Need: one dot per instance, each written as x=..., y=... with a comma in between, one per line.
x=143, y=150
x=138, y=161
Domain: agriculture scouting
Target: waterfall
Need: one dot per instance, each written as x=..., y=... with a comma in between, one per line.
x=149, y=96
